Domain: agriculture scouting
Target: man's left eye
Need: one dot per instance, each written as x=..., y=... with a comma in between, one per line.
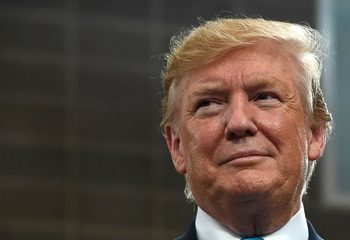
x=264, y=96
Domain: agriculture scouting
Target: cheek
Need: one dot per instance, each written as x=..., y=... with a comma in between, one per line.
x=283, y=126
x=201, y=140
x=287, y=133
x=205, y=132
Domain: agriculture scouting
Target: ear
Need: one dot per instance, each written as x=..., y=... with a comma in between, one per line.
x=175, y=147
x=316, y=144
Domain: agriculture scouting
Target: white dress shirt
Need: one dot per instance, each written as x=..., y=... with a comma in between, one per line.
x=208, y=228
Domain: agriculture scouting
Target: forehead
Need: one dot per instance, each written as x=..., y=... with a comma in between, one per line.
x=264, y=62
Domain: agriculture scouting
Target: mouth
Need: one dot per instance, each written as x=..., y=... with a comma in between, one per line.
x=246, y=157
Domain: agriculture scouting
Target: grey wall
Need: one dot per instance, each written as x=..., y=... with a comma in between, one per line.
x=80, y=152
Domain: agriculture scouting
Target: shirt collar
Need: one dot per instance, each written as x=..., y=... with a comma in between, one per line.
x=208, y=228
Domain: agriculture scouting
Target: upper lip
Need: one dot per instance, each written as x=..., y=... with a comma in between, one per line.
x=245, y=153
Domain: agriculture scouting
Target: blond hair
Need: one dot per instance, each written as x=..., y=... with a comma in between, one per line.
x=212, y=39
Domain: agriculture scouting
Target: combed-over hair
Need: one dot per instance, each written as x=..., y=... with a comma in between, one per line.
x=212, y=39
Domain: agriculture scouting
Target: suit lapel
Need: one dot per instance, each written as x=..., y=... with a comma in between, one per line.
x=191, y=233
x=312, y=233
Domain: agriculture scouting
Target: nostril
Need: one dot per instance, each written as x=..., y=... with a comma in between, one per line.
x=239, y=128
x=237, y=134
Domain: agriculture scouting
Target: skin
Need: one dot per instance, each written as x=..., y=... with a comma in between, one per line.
x=242, y=138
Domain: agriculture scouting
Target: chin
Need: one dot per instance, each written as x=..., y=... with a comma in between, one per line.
x=248, y=188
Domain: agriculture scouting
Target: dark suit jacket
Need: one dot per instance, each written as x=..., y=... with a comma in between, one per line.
x=192, y=235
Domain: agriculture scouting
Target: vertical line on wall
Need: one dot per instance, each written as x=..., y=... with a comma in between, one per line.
x=325, y=24
x=71, y=222
x=155, y=39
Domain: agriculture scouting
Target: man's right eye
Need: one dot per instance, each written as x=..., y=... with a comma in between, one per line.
x=204, y=103
x=208, y=106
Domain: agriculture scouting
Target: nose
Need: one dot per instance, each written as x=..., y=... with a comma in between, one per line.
x=239, y=120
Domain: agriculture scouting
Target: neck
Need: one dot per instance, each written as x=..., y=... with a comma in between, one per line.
x=254, y=219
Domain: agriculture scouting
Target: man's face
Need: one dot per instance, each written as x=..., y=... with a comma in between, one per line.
x=240, y=132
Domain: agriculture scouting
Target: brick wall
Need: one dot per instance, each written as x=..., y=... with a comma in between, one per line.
x=80, y=152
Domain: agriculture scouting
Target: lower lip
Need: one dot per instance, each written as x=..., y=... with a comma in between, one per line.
x=246, y=161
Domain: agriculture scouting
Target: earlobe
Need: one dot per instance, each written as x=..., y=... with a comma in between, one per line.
x=174, y=145
x=316, y=144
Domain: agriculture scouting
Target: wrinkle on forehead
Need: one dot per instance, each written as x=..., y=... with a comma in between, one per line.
x=239, y=58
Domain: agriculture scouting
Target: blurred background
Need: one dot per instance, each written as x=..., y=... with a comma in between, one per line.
x=81, y=156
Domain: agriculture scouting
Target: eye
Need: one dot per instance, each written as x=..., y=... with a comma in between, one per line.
x=204, y=103
x=207, y=107
x=264, y=96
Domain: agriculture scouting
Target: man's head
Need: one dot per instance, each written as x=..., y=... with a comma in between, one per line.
x=243, y=113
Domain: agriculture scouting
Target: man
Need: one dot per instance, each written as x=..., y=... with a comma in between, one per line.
x=245, y=121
